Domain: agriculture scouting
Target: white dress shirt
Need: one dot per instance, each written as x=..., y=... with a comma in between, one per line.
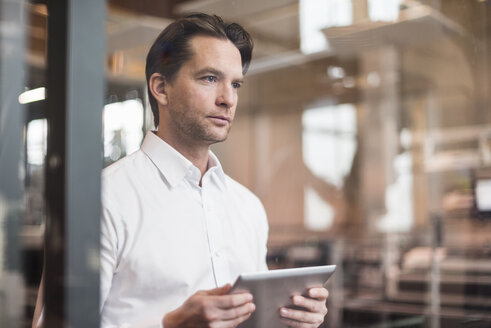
x=164, y=237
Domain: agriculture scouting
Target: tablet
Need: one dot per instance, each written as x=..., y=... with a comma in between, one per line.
x=273, y=290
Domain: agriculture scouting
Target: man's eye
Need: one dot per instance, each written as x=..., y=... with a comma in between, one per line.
x=210, y=78
x=236, y=85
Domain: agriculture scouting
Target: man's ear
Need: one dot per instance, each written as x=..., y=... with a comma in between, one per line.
x=157, y=88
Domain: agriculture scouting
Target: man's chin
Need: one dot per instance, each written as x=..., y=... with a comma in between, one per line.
x=215, y=140
x=218, y=136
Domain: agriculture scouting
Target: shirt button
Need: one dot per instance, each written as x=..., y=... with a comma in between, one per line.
x=217, y=254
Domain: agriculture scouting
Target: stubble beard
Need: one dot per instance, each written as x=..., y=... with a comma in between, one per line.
x=196, y=133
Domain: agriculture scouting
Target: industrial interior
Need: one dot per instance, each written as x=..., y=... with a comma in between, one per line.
x=364, y=126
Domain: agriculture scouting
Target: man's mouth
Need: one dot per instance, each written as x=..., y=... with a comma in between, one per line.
x=221, y=118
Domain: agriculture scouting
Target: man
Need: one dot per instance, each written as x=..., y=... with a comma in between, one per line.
x=176, y=231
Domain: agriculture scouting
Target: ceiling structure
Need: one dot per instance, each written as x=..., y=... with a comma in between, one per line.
x=132, y=26
x=274, y=24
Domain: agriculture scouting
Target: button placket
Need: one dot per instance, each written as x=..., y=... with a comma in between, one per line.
x=218, y=242
x=215, y=234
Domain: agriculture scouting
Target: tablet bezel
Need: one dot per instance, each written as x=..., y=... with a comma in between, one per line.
x=273, y=289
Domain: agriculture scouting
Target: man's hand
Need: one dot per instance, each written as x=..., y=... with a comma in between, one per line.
x=314, y=313
x=211, y=308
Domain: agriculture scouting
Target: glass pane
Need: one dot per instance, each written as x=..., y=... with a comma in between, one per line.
x=14, y=281
x=364, y=128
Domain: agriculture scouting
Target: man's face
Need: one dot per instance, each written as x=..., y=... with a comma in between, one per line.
x=202, y=99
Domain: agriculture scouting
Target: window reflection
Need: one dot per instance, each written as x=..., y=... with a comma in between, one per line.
x=318, y=14
x=37, y=131
x=329, y=141
x=328, y=147
x=399, y=197
x=123, y=129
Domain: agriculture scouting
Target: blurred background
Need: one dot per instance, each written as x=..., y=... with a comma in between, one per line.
x=364, y=126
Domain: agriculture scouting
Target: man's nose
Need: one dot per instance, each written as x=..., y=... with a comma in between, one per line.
x=226, y=97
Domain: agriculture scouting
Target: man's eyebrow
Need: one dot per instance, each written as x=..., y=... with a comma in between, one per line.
x=209, y=70
x=220, y=74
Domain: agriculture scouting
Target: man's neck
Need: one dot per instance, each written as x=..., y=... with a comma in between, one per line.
x=198, y=154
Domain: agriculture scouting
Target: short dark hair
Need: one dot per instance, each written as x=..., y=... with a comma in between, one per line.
x=171, y=48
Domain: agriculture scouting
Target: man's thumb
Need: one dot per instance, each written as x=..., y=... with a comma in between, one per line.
x=220, y=290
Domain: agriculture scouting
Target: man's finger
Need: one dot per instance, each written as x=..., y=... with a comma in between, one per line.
x=297, y=324
x=238, y=312
x=219, y=290
x=302, y=316
x=312, y=305
x=233, y=300
x=318, y=293
x=234, y=322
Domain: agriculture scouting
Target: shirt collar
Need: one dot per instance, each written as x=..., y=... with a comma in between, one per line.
x=215, y=167
x=175, y=167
